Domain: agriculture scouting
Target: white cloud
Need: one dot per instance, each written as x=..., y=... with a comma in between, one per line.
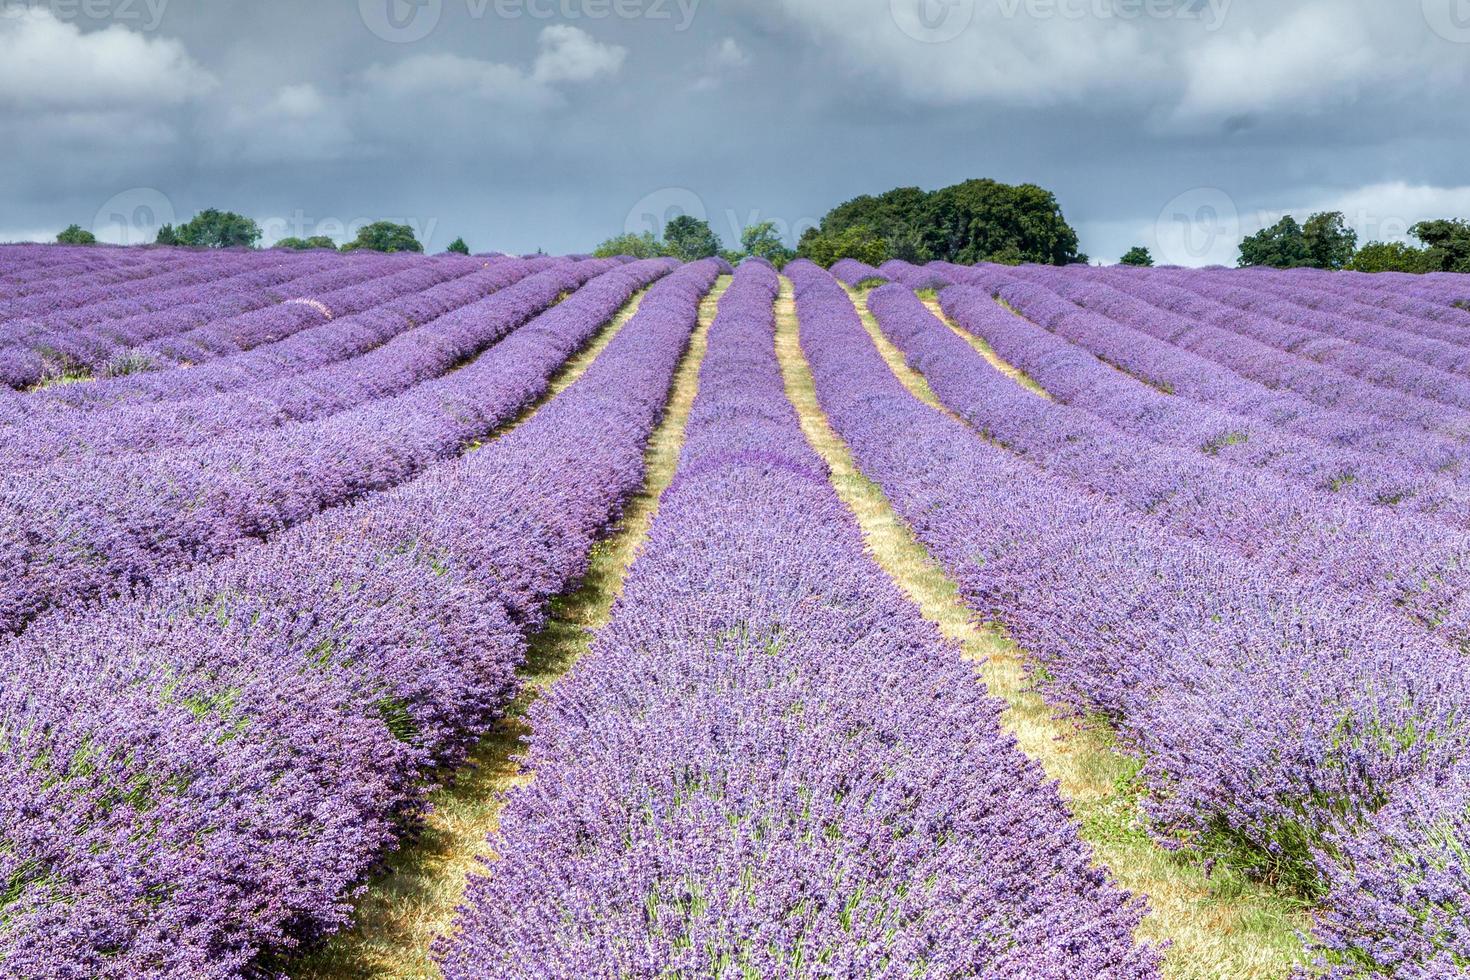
x=292, y=123
x=567, y=55
x=299, y=102
x=47, y=65
x=1180, y=63
x=1313, y=57
x=725, y=58
x=451, y=75
x=729, y=55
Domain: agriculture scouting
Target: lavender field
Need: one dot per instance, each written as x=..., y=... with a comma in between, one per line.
x=481, y=617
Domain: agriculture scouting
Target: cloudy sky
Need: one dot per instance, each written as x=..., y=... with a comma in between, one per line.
x=1178, y=124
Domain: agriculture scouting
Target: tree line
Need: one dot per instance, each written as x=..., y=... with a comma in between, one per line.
x=1326, y=242
x=974, y=221
x=213, y=228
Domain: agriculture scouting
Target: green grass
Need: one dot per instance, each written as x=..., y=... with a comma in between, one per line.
x=1218, y=925
x=414, y=900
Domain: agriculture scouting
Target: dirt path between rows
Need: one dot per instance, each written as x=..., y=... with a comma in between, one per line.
x=1219, y=927
x=414, y=901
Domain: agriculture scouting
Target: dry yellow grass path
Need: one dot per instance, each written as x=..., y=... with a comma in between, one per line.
x=415, y=899
x=1218, y=927
x=986, y=351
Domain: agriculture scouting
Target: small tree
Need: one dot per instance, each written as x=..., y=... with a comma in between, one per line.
x=1282, y=246
x=1394, y=257
x=644, y=246
x=385, y=236
x=302, y=244
x=76, y=235
x=689, y=239
x=458, y=247
x=1330, y=242
x=1137, y=255
x=212, y=228
x=763, y=242
x=167, y=235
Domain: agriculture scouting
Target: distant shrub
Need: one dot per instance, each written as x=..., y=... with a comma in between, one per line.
x=458, y=247
x=1137, y=255
x=302, y=244
x=76, y=235
x=1394, y=257
x=644, y=246
x=858, y=242
x=385, y=236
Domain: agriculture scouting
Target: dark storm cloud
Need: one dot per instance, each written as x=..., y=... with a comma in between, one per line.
x=554, y=123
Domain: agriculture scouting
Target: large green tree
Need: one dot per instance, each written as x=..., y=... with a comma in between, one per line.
x=976, y=221
x=384, y=236
x=897, y=217
x=1330, y=242
x=689, y=239
x=1324, y=242
x=1281, y=246
x=212, y=228
x=987, y=221
x=1448, y=241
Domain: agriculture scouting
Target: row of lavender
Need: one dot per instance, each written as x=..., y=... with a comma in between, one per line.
x=769, y=764
x=25, y=268
x=1285, y=710
x=423, y=334
x=276, y=342
x=74, y=531
x=1182, y=464
x=205, y=771
x=1282, y=413
x=77, y=329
